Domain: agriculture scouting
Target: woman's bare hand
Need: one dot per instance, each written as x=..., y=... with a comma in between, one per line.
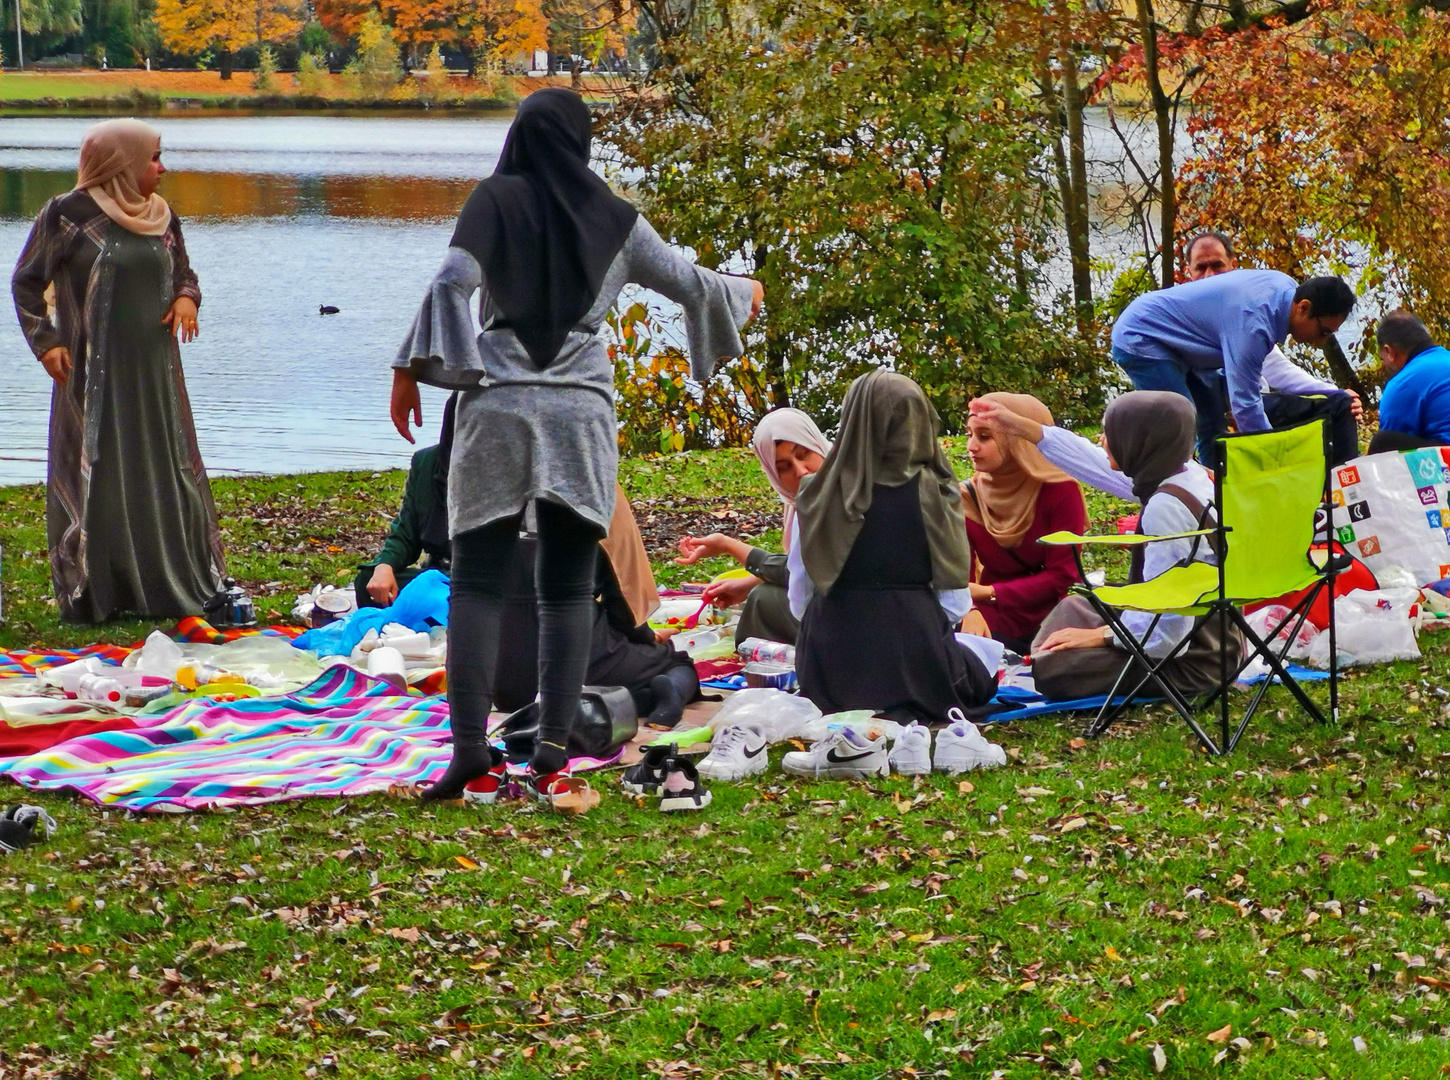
x=182, y=318
x=757, y=297
x=1004, y=419
x=57, y=364
x=405, y=402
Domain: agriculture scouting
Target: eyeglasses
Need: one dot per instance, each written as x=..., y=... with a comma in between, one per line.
x=1324, y=332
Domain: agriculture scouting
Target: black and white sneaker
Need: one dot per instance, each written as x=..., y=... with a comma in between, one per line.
x=21, y=826
x=644, y=776
x=844, y=754
x=681, y=788
x=736, y=752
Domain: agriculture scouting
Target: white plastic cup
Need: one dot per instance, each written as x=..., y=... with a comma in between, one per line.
x=385, y=661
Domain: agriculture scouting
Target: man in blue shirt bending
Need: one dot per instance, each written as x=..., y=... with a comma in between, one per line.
x=1178, y=339
x=1415, y=405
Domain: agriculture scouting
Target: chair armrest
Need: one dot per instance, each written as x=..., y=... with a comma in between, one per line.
x=1063, y=539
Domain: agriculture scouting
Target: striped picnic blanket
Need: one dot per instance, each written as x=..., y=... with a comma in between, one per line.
x=344, y=734
x=18, y=662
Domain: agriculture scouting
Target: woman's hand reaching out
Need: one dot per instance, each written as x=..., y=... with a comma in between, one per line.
x=729, y=592
x=757, y=297
x=1003, y=419
x=695, y=548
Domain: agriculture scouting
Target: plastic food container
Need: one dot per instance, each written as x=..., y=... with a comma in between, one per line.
x=764, y=675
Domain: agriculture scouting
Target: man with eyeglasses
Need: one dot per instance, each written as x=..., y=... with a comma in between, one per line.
x=1415, y=405
x=1179, y=339
x=1291, y=395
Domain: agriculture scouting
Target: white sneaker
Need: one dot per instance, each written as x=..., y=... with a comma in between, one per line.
x=911, y=753
x=960, y=747
x=736, y=752
x=842, y=754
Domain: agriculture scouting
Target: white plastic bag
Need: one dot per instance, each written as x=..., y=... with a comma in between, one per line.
x=1266, y=618
x=159, y=656
x=778, y=715
x=1371, y=627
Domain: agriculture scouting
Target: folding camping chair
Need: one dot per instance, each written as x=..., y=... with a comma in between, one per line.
x=1269, y=490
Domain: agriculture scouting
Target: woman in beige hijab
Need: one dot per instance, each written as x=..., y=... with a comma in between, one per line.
x=130, y=520
x=1017, y=497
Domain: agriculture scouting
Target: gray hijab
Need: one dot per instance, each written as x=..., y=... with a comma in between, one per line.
x=1150, y=434
x=888, y=436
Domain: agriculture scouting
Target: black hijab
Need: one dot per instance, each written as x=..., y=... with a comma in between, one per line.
x=544, y=227
x=435, y=529
x=1150, y=434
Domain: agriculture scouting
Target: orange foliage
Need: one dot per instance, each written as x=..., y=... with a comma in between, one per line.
x=191, y=26
x=499, y=26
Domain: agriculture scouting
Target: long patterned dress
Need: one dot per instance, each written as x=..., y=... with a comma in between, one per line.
x=131, y=525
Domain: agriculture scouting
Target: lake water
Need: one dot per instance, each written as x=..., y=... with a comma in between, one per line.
x=281, y=214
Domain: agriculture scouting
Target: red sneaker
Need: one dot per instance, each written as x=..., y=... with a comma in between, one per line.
x=484, y=790
x=561, y=791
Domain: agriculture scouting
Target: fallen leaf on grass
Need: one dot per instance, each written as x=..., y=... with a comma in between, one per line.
x=403, y=933
x=1111, y=953
x=965, y=787
x=1160, y=1059
x=938, y=1015
x=467, y=864
x=1072, y=824
x=1221, y=1035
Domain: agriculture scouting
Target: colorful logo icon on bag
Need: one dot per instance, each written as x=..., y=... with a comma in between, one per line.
x=1433, y=517
x=1336, y=497
x=1345, y=534
x=1427, y=495
x=1425, y=467
x=1348, y=475
x=1370, y=545
x=1358, y=511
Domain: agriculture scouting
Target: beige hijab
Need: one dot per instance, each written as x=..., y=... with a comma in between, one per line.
x=1004, y=501
x=786, y=425
x=114, y=155
x=625, y=547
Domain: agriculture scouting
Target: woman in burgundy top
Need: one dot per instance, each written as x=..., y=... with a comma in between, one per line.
x=1016, y=498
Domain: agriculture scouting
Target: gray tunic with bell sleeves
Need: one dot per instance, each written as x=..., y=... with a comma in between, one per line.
x=522, y=433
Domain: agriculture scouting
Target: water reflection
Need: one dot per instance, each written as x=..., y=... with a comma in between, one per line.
x=282, y=214
x=222, y=196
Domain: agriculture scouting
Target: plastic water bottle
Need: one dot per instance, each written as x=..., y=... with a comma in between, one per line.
x=101, y=689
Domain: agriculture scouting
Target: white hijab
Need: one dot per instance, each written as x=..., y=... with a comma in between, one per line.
x=114, y=155
x=786, y=425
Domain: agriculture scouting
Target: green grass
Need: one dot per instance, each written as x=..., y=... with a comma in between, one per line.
x=1077, y=913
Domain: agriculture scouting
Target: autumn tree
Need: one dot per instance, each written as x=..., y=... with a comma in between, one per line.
x=880, y=168
x=1323, y=144
x=498, y=27
x=193, y=26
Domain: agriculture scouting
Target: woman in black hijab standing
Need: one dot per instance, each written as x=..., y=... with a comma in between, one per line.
x=549, y=247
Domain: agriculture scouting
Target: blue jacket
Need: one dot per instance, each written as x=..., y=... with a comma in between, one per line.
x=1417, y=399
x=1229, y=320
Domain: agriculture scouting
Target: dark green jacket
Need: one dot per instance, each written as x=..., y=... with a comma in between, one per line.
x=405, y=536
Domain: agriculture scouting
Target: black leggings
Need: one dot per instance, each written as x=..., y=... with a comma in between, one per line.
x=564, y=577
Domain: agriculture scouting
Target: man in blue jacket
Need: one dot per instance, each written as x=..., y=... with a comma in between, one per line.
x=1415, y=405
x=1179, y=339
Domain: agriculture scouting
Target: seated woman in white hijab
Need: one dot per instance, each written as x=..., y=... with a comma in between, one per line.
x=790, y=447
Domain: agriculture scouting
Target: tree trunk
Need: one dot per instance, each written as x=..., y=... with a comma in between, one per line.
x=774, y=348
x=1163, y=115
x=1343, y=371
x=1078, y=241
x=224, y=62
x=1067, y=162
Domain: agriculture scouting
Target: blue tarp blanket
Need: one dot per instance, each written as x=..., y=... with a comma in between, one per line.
x=422, y=605
x=1029, y=703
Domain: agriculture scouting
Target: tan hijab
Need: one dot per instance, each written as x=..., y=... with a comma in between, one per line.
x=786, y=425
x=625, y=547
x=888, y=436
x=114, y=155
x=1005, y=501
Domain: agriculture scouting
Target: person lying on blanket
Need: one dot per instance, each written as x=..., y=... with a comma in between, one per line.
x=419, y=530
x=1149, y=438
x=623, y=650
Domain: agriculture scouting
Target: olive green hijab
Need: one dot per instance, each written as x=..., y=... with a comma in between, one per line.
x=888, y=436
